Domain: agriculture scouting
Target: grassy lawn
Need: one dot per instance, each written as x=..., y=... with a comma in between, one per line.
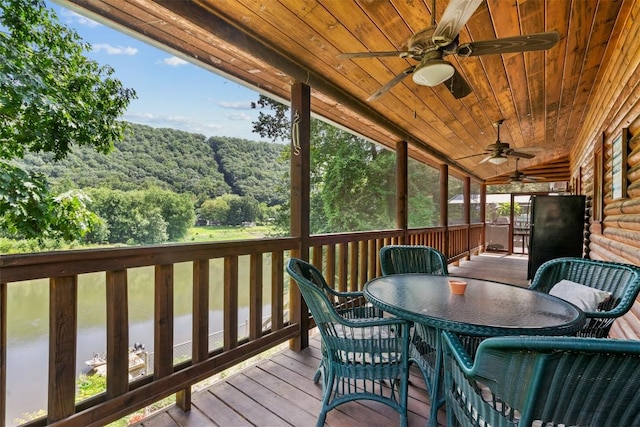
x=211, y=233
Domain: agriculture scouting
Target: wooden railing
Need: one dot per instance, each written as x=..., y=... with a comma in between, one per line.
x=347, y=260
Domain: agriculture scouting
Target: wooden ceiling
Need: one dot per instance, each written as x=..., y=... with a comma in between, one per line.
x=543, y=96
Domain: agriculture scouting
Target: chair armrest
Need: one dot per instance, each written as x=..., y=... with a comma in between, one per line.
x=454, y=346
x=367, y=322
x=353, y=294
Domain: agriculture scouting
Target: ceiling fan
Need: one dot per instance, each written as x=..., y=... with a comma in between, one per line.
x=519, y=177
x=498, y=152
x=430, y=45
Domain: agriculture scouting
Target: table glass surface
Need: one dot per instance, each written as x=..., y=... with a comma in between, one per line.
x=498, y=307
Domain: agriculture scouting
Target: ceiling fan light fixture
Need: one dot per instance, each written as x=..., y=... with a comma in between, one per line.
x=432, y=72
x=498, y=160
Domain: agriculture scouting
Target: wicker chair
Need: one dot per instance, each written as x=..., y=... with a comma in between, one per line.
x=621, y=280
x=350, y=305
x=362, y=358
x=544, y=381
x=402, y=259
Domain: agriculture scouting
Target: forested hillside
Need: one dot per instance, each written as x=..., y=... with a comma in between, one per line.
x=252, y=168
x=174, y=160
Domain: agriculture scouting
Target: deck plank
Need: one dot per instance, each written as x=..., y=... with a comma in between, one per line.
x=218, y=411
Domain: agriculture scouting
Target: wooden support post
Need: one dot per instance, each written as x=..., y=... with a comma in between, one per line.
x=466, y=210
x=402, y=189
x=300, y=196
x=444, y=206
x=483, y=215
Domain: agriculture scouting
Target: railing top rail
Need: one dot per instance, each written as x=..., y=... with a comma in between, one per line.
x=20, y=267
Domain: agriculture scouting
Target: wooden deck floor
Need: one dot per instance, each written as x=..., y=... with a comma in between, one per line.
x=279, y=391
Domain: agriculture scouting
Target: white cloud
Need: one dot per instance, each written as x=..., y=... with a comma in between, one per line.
x=238, y=116
x=186, y=124
x=174, y=61
x=241, y=105
x=73, y=17
x=114, y=50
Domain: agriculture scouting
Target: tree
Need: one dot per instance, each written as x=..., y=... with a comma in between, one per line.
x=352, y=179
x=215, y=210
x=52, y=98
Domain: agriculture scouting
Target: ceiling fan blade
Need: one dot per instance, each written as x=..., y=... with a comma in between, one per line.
x=394, y=81
x=525, y=43
x=353, y=55
x=453, y=19
x=486, y=159
x=520, y=154
x=457, y=85
x=470, y=156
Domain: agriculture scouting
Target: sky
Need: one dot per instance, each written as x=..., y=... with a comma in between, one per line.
x=172, y=93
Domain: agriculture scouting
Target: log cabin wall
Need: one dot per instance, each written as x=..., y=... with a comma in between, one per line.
x=614, y=233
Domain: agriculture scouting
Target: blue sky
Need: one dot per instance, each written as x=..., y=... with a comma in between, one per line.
x=172, y=92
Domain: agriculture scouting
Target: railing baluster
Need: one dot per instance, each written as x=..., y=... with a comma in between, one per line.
x=255, y=296
x=63, y=314
x=277, y=290
x=117, y=333
x=163, y=327
x=373, y=258
x=230, y=302
x=199, y=325
x=331, y=265
x=353, y=266
x=364, y=260
x=343, y=261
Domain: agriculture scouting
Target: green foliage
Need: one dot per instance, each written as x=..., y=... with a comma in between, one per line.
x=51, y=98
x=352, y=180
x=232, y=209
x=215, y=210
x=90, y=385
x=275, y=124
x=166, y=158
x=424, y=192
x=253, y=169
x=29, y=210
x=144, y=216
x=504, y=209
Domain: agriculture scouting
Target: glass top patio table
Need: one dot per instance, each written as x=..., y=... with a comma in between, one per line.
x=486, y=309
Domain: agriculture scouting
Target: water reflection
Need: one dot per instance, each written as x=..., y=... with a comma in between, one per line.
x=28, y=322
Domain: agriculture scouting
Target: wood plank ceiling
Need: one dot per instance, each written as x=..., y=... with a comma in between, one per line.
x=543, y=96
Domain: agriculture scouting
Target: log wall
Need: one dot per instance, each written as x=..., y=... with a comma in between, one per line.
x=614, y=110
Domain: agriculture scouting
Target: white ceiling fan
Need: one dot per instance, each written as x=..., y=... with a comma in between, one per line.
x=429, y=46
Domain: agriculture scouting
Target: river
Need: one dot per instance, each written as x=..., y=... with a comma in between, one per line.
x=28, y=323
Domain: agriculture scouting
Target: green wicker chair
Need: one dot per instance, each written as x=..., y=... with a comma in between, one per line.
x=362, y=358
x=401, y=259
x=544, y=381
x=405, y=259
x=621, y=280
x=350, y=305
